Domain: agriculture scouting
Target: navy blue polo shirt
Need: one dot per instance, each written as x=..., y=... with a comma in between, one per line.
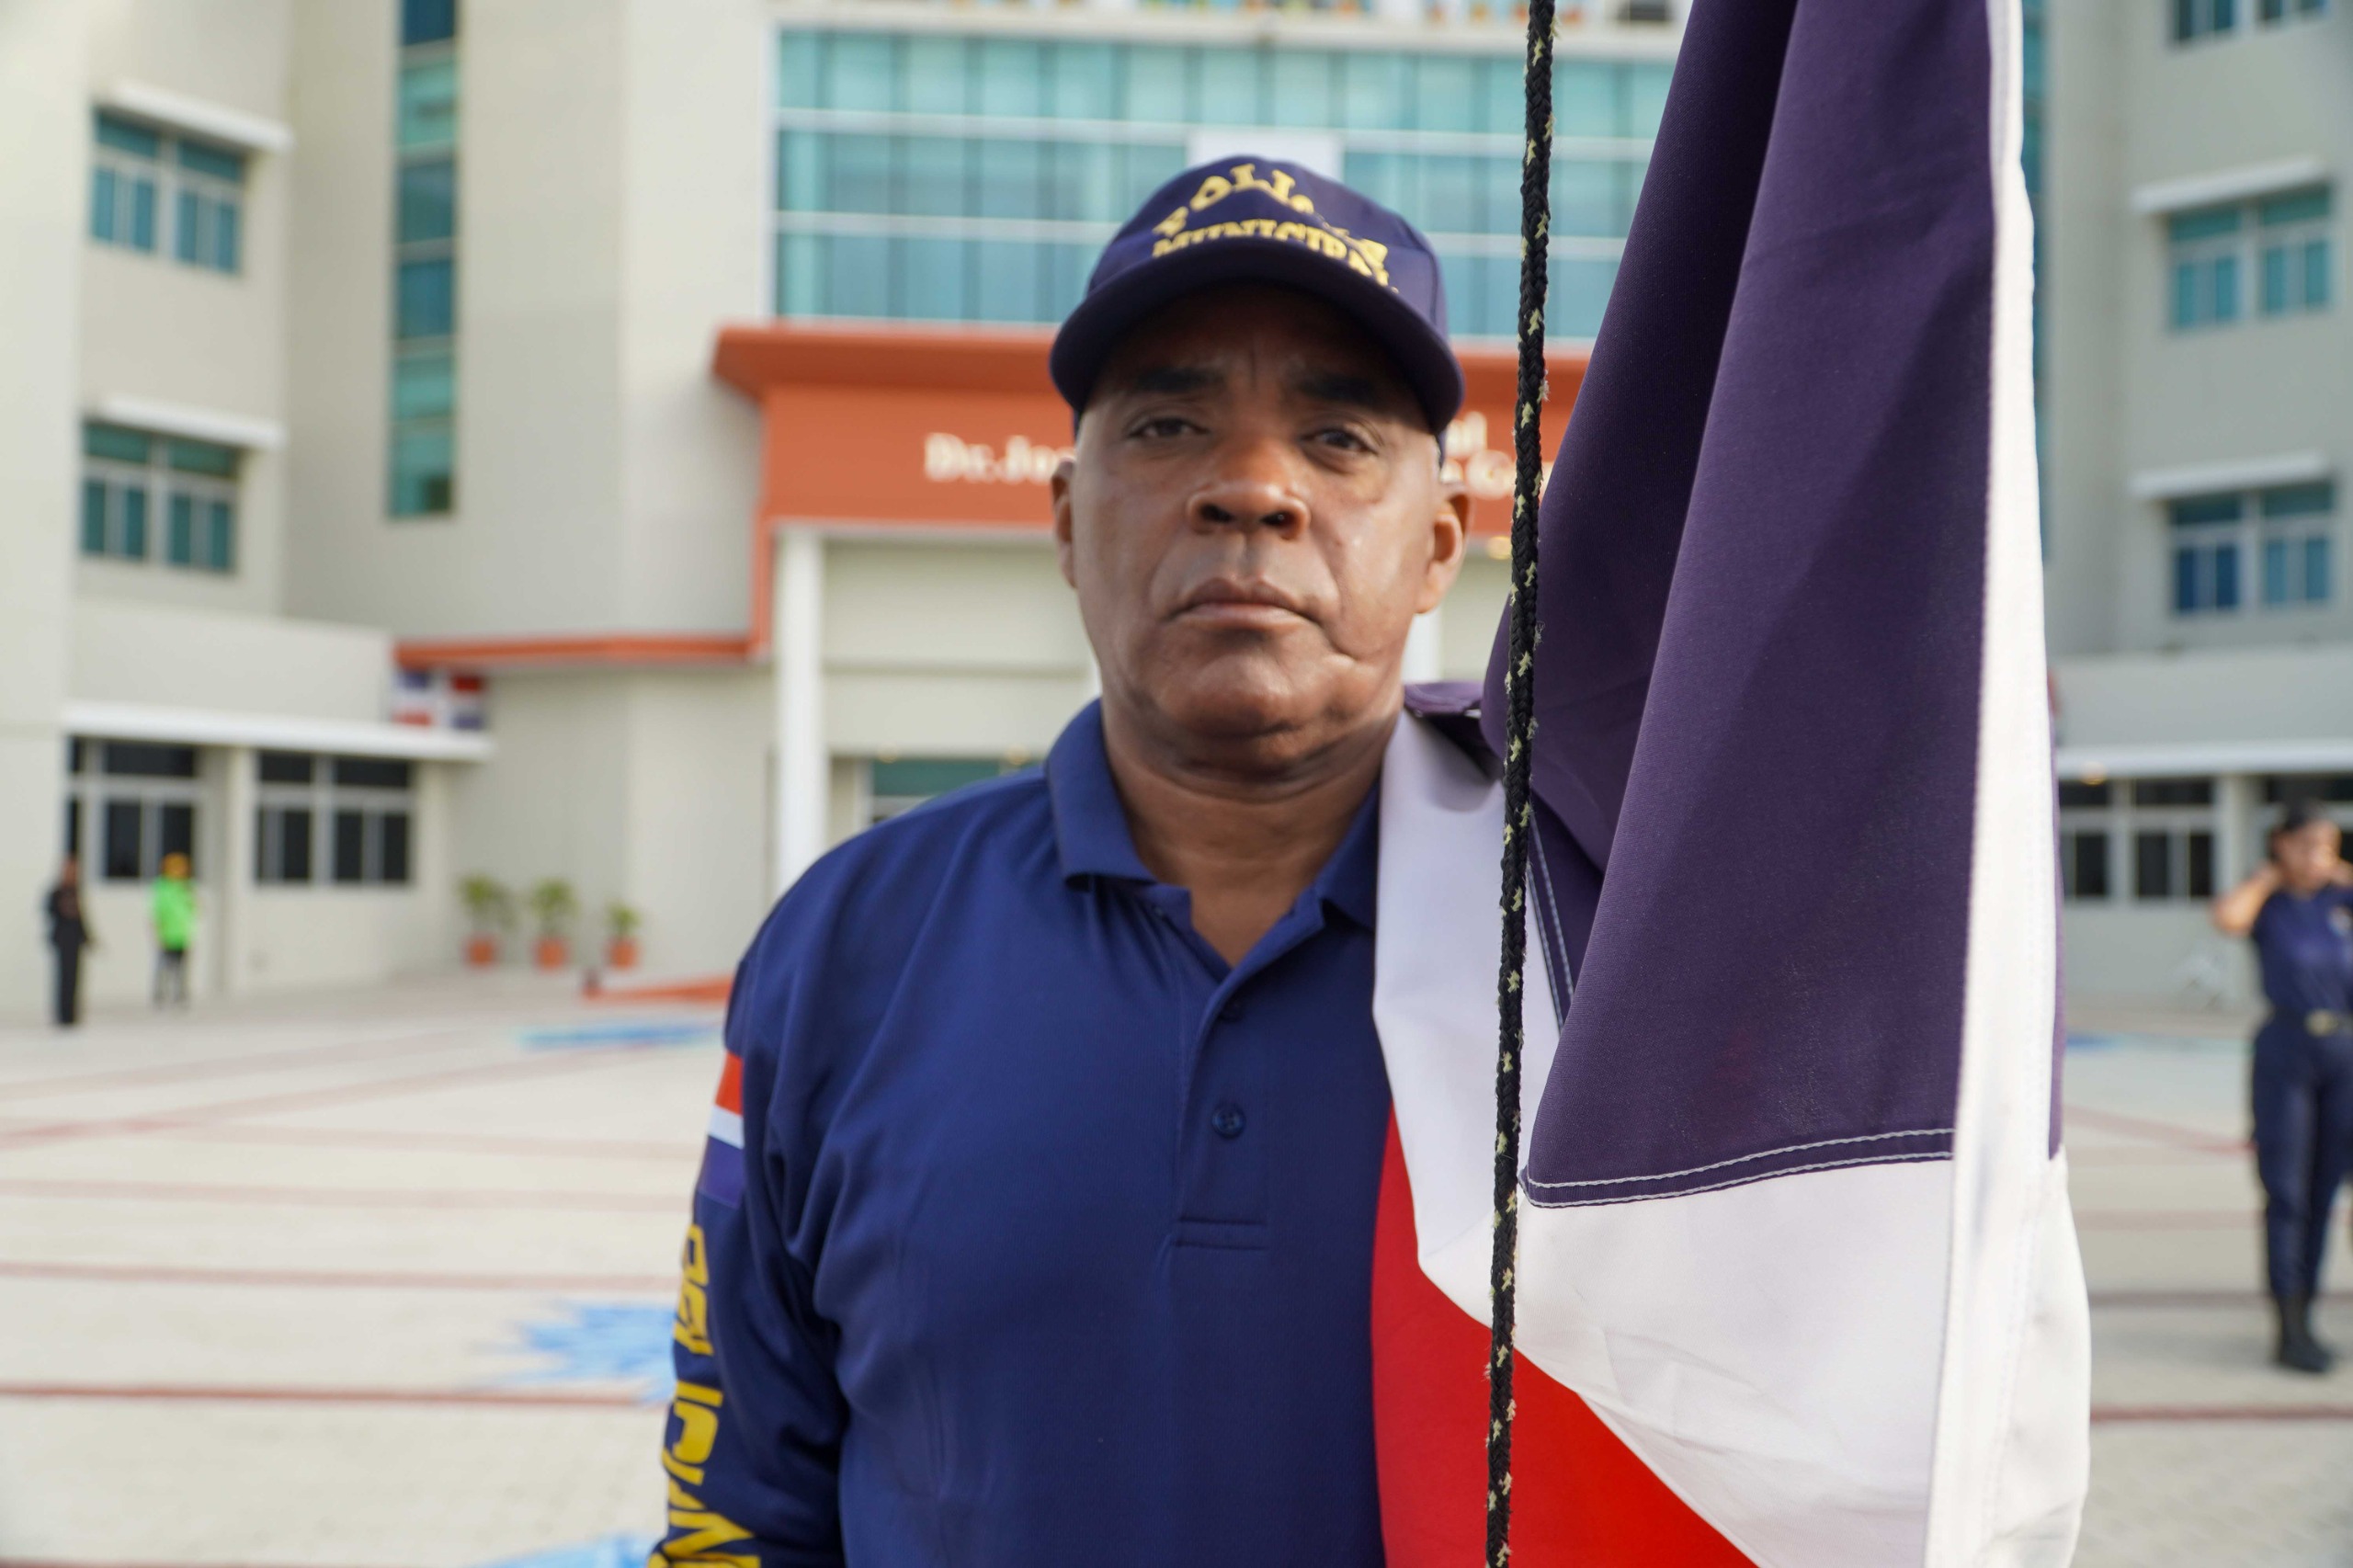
x=2306, y=947
x=1051, y=1240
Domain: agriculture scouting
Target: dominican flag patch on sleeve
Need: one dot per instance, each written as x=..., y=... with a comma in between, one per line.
x=723, y=1151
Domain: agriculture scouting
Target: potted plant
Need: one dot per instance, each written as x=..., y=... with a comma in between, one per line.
x=490, y=909
x=621, y=936
x=553, y=905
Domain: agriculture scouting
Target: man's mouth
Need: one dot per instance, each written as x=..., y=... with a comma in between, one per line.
x=1240, y=605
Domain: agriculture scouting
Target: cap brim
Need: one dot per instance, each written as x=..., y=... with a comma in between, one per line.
x=1089, y=333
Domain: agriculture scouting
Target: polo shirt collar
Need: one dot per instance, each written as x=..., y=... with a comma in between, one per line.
x=1091, y=835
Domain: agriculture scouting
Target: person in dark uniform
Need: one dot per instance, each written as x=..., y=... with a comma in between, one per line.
x=69, y=933
x=2298, y=908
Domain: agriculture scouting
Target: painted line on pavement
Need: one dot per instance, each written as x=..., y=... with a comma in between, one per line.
x=287, y=1061
x=216, y=1393
x=2155, y=1131
x=2164, y=1218
x=681, y=1151
x=349, y=1198
x=2199, y=1299
x=2134, y=1414
x=321, y=1278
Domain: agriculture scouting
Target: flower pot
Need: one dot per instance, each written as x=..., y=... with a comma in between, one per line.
x=552, y=952
x=621, y=953
x=481, y=951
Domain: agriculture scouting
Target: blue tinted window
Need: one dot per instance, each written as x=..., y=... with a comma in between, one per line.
x=800, y=171
x=1008, y=178
x=1012, y=77
x=2194, y=510
x=2275, y=279
x=428, y=21
x=932, y=179
x=860, y=276
x=2315, y=260
x=179, y=532
x=1004, y=281
x=1645, y=99
x=939, y=77
x=861, y=72
x=1376, y=91
x=1585, y=198
x=800, y=275
x=183, y=227
x=2185, y=582
x=1083, y=183
x=931, y=279
x=104, y=196
x=1580, y=290
x=2203, y=224
x=2226, y=577
x=2275, y=572
x=799, y=68
x=214, y=163
x=1584, y=99
x=125, y=136
x=1159, y=84
x=2185, y=295
x=132, y=543
x=428, y=299
x=2316, y=569
x=858, y=174
x=1299, y=88
x=1083, y=83
x=2300, y=500
x=422, y=477
x=2226, y=288
x=429, y=200
x=1448, y=93
x=1232, y=92
x=226, y=246
x=93, y=517
x=429, y=108
x=424, y=386
x=143, y=214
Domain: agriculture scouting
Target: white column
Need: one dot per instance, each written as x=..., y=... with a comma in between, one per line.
x=796, y=632
x=232, y=924
x=1423, y=656
x=2238, y=841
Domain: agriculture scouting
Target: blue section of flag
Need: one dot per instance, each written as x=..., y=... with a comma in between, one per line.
x=722, y=1180
x=621, y=1550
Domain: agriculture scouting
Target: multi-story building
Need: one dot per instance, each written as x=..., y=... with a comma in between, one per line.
x=2197, y=362
x=663, y=378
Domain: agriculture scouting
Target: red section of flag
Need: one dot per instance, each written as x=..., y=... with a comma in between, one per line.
x=731, y=1084
x=1578, y=1495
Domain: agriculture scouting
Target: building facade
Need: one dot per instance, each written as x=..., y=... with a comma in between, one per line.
x=2197, y=379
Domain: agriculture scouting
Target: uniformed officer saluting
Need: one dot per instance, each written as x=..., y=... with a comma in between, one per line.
x=1061, y=1110
x=2298, y=908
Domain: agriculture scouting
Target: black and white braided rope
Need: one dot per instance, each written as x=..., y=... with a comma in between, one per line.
x=1527, y=440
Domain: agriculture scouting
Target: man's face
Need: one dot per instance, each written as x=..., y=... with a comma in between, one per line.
x=1253, y=519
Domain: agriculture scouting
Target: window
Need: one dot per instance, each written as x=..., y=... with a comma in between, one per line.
x=140, y=802
x=143, y=181
x=933, y=177
x=2283, y=537
x=421, y=446
x=134, y=484
x=345, y=820
x=2273, y=11
x=2164, y=829
x=2193, y=19
x=901, y=784
x=2269, y=257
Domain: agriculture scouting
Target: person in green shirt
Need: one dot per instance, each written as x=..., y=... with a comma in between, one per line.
x=173, y=904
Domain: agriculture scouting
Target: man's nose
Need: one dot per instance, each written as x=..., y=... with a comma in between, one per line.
x=1253, y=490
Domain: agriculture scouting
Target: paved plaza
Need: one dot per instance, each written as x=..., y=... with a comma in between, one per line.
x=384, y=1281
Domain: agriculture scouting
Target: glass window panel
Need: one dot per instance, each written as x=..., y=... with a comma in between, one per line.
x=860, y=70
x=2315, y=273
x=424, y=472
x=121, y=861
x=800, y=275
x=2087, y=866
x=428, y=21
x=93, y=517
x=2185, y=582
x=392, y=848
x=2193, y=510
x=2226, y=287
x=425, y=386
x=1085, y=182
x=294, y=829
x=2204, y=223
x=133, y=542
x=857, y=273
x=1501, y=80
x=2075, y=793
x=286, y=766
x=1066, y=267
x=1376, y=91
x=1233, y=87
x=1149, y=165
x=2201, y=866
x=1645, y=98
x=1580, y=293
x=175, y=832
x=104, y=195
x=2300, y=207
x=1454, y=196
x=202, y=457
x=2300, y=500
x=184, y=228
x=800, y=171
x=2152, y=864
x=2226, y=577
x=1500, y=176
x=73, y=827
x=128, y=136
x=1372, y=175
x=228, y=223
x=1157, y=84
x=1500, y=306
x=143, y=214
x=2173, y=791
x=1584, y=99
x=1300, y=92
x=1008, y=178
x=1004, y=281
x=428, y=111
x=2275, y=572
x=350, y=855
x=217, y=163
x=2185, y=295
x=858, y=174
x=1084, y=80
x=2226, y=15
x=140, y=759
x=932, y=180
x=429, y=200
x=937, y=76
x=799, y=62
x=179, y=531
x=931, y=275
x=428, y=299
x=115, y=442
x=2316, y=583
x=1012, y=77
x=1585, y=198
x=218, y=549
x=1461, y=277
x=2275, y=279
x=1447, y=93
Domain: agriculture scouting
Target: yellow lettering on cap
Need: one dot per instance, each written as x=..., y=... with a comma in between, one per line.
x=1171, y=223
x=1213, y=190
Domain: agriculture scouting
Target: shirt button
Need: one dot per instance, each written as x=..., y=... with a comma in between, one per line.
x=1227, y=1120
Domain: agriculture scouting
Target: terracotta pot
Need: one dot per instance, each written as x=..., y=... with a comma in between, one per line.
x=621, y=953
x=481, y=951
x=552, y=952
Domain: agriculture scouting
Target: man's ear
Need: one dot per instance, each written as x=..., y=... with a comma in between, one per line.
x=1450, y=538
x=1064, y=555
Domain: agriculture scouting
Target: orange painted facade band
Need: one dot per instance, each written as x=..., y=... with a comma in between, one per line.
x=938, y=429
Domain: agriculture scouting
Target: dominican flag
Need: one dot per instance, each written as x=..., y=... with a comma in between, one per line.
x=1798, y=1281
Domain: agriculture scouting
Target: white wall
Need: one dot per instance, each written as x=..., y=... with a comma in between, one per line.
x=2157, y=954
x=41, y=212
x=185, y=658
x=2251, y=694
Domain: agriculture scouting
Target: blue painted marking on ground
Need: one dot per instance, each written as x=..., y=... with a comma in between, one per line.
x=612, y=1551
x=638, y=1032
x=599, y=1341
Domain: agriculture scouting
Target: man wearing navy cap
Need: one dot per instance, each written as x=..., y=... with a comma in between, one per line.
x=1037, y=1225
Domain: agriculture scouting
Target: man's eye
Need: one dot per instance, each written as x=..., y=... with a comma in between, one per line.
x=1342, y=439
x=1165, y=427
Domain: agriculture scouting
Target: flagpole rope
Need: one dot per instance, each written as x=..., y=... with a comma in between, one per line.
x=1519, y=729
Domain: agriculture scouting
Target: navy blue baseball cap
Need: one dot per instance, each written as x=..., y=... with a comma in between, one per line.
x=1261, y=220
